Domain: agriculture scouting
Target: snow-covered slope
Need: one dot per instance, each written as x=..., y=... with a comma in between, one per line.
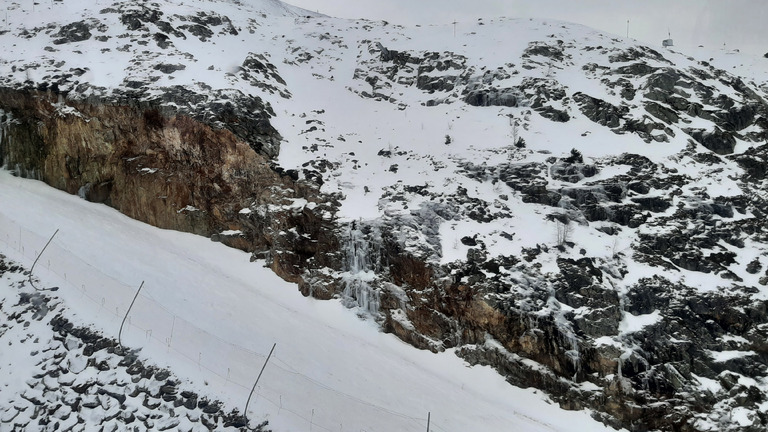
x=566, y=206
x=211, y=316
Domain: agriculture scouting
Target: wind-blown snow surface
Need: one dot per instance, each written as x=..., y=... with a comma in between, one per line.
x=329, y=368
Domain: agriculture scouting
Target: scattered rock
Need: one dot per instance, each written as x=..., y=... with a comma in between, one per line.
x=73, y=32
x=169, y=68
x=599, y=111
x=93, y=394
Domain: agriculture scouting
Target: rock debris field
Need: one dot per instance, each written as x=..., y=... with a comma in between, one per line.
x=69, y=378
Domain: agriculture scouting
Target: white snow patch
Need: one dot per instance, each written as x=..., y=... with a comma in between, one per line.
x=724, y=356
x=708, y=384
x=634, y=323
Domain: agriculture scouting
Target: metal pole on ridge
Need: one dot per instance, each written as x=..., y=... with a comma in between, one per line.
x=245, y=410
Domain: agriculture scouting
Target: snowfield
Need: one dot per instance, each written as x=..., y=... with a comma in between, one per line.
x=211, y=316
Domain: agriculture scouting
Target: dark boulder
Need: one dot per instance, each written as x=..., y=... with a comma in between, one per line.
x=74, y=32
x=755, y=162
x=661, y=112
x=162, y=40
x=553, y=114
x=135, y=19
x=579, y=274
x=543, y=49
x=572, y=172
x=492, y=97
x=538, y=194
x=664, y=80
x=636, y=53
x=737, y=117
x=600, y=111
x=444, y=83
x=169, y=68
x=719, y=141
x=636, y=69
x=202, y=32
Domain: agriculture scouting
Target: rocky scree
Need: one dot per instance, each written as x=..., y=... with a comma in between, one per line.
x=82, y=380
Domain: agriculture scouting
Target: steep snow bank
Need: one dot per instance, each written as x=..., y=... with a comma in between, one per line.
x=213, y=316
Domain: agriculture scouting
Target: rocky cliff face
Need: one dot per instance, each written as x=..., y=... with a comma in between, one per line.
x=172, y=172
x=581, y=213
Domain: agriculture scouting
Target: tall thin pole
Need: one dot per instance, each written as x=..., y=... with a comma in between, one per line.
x=120, y=333
x=429, y=415
x=627, y=29
x=454, y=28
x=38, y=258
x=245, y=411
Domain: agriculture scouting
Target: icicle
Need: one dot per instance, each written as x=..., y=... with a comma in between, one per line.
x=3, y=132
x=619, y=369
x=84, y=191
x=359, y=274
x=570, y=339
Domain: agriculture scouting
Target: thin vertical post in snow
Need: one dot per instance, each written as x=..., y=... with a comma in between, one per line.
x=429, y=415
x=120, y=333
x=454, y=27
x=245, y=411
x=627, y=29
x=37, y=259
x=170, y=339
x=311, y=419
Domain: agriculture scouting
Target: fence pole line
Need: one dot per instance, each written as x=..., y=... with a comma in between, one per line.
x=173, y=327
x=245, y=411
x=32, y=269
x=96, y=275
x=120, y=332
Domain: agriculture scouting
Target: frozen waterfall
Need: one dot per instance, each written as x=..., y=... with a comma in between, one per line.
x=359, y=272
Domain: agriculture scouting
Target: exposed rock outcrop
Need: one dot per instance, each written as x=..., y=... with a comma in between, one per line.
x=172, y=172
